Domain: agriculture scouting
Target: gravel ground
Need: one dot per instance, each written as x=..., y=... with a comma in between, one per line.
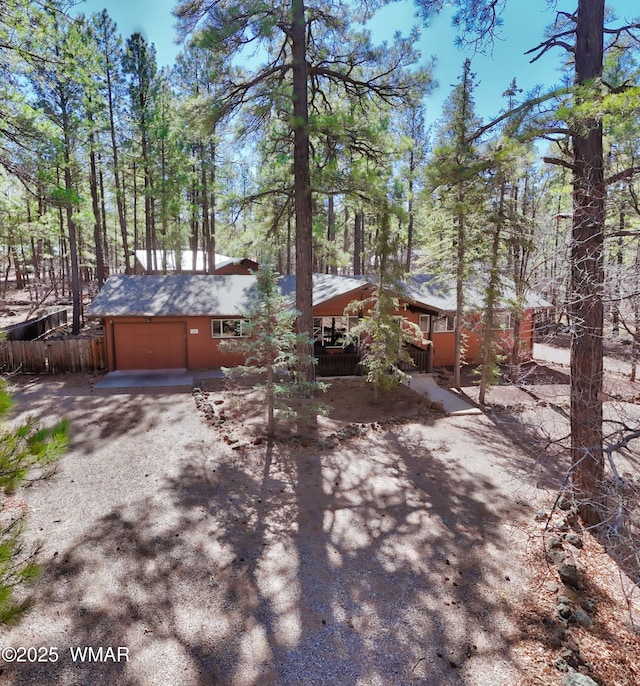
x=394, y=558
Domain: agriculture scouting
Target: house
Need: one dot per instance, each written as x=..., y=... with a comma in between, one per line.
x=178, y=321
x=189, y=262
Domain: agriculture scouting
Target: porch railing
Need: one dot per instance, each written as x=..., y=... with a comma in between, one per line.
x=349, y=364
x=338, y=365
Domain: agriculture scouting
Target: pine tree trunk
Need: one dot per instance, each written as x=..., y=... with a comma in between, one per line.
x=71, y=227
x=615, y=314
x=136, y=233
x=302, y=193
x=358, y=241
x=148, y=218
x=410, y=211
x=488, y=337
x=17, y=268
x=212, y=205
x=271, y=426
x=289, y=243
x=204, y=200
x=331, y=232
x=95, y=204
x=120, y=190
x=635, y=344
x=587, y=276
x=460, y=259
x=331, y=217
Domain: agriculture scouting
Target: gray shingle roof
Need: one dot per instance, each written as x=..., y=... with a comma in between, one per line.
x=325, y=287
x=199, y=295
x=173, y=295
x=440, y=295
x=177, y=295
x=426, y=290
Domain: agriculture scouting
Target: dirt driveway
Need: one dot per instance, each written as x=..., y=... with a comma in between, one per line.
x=392, y=558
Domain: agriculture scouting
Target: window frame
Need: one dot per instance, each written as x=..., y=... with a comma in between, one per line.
x=319, y=328
x=222, y=332
x=503, y=320
x=449, y=319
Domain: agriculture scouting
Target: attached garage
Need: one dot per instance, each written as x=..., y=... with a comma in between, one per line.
x=150, y=345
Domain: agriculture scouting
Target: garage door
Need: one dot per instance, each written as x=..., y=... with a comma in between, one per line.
x=155, y=345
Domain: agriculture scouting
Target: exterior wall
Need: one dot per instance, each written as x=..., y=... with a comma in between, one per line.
x=444, y=344
x=245, y=267
x=201, y=349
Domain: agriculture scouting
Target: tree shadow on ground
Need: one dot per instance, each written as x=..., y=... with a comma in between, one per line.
x=528, y=456
x=385, y=561
x=377, y=563
x=94, y=416
x=544, y=454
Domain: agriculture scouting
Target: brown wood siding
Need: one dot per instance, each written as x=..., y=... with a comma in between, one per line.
x=337, y=306
x=245, y=267
x=203, y=349
x=444, y=344
x=200, y=350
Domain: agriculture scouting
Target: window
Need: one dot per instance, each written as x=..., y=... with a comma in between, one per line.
x=228, y=328
x=443, y=323
x=424, y=323
x=503, y=320
x=332, y=330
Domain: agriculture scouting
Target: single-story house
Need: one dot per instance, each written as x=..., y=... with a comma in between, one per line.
x=189, y=262
x=178, y=321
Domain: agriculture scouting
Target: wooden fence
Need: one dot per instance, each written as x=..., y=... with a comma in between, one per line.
x=52, y=357
x=29, y=331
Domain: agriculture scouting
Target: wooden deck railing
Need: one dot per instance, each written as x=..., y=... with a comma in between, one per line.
x=338, y=365
x=349, y=364
x=423, y=360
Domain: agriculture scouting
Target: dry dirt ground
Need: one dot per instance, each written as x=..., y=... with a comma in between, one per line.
x=386, y=545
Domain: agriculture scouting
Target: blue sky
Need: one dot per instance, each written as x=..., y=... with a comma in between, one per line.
x=524, y=23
